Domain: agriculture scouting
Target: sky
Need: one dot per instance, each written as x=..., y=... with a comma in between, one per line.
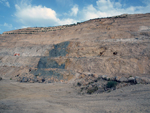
x=17, y=14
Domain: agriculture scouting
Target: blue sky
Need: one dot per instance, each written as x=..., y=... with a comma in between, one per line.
x=16, y=14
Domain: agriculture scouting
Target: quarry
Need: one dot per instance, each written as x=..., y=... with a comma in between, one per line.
x=98, y=66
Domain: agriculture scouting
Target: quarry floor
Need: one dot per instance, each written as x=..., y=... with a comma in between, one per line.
x=18, y=97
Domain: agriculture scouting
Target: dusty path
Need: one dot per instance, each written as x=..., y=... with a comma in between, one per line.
x=18, y=97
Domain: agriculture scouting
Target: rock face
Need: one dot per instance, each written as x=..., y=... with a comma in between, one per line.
x=116, y=46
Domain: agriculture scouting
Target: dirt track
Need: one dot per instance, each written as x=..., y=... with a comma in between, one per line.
x=18, y=97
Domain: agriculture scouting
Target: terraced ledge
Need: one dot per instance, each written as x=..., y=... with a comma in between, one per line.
x=93, y=83
x=46, y=75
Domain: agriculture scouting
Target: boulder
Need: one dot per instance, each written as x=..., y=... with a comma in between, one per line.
x=82, y=76
x=51, y=80
x=142, y=80
x=108, y=78
x=132, y=80
x=121, y=79
x=34, y=79
x=31, y=81
x=104, y=77
x=24, y=79
x=19, y=79
x=40, y=79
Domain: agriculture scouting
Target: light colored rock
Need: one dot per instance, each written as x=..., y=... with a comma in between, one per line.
x=121, y=79
x=82, y=76
x=31, y=81
x=142, y=80
x=132, y=79
x=24, y=79
x=104, y=77
x=19, y=79
x=40, y=79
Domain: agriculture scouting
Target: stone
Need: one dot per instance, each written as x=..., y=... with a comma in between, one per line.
x=121, y=79
x=50, y=80
x=82, y=76
x=31, y=81
x=24, y=79
x=35, y=79
x=85, y=83
x=145, y=80
x=117, y=78
x=104, y=77
x=95, y=75
x=19, y=79
x=40, y=79
x=61, y=81
x=138, y=80
x=142, y=80
x=30, y=70
x=132, y=80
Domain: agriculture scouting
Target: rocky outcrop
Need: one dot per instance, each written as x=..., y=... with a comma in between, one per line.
x=116, y=46
x=92, y=83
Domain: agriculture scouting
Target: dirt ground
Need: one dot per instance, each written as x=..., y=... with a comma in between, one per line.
x=18, y=97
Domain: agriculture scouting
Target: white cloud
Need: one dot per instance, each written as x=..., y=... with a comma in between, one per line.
x=30, y=15
x=35, y=12
x=5, y=2
x=90, y=12
x=107, y=8
x=7, y=25
x=104, y=5
x=74, y=10
x=67, y=21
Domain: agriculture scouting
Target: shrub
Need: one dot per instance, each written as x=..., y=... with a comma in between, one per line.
x=92, y=90
x=111, y=84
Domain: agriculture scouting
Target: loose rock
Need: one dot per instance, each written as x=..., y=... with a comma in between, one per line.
x=24, y=79
x=40, y=79
x=121, y=79
x=142, y=80
x=132, y=80
x=19, y=79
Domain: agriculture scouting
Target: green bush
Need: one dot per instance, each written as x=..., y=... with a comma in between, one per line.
x=111, y=84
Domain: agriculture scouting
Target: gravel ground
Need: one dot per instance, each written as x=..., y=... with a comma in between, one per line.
x=18, y=97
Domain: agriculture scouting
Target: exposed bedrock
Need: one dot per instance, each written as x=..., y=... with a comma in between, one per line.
x=110, y=46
